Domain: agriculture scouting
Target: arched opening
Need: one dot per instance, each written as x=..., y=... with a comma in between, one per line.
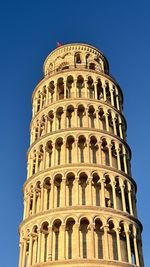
x=81, y=146
x=118, y=194
x=90, y=87
x=57, y=190
x=100, y=95
x=131, y=237
x=44, y=93
x=78, y=58
x=83, y=188
x=71, y=245
x=102, y=119
x=60, y=89
x=105, y=153
x=99, y=239
x=84, y=237
x=34, y=245
x=93, y=148
x=57, y=240
x=49, y=150
x=70, y=188
x=96, y=189
x=51, y=120
x=36, y=130
x=38, y=101
x=70, y=110
x=34, y=162
x=59, y=114
x=40, y=157
x=123, y=243
x=69, y=86
x=108, y=96
x=114, y=155
x=80, y=113
x=92, y=116
x=80, y=85
x=42, y=125
x=114, y=96
x=121, y=158
x=44, y=241
x=92, y=66
x=51, y=89
x=69, y=146
x=112, y=241
x=117, y=125
x=58, y=146
x=47, y=189
x=110, y=122
x=126, y=197
x=38, y=196
x=31, y=201
x=108, y=193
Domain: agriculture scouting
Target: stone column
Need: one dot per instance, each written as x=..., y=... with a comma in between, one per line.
x=113, y=184
x=64, y=120
x=75, y=117
x=50, y=243
x=90, y=200
x=135, y=248
x=95, y=89
x=125, y=162
x=97, y=119
x=77, y=249
x=122, y=187
x=63, y=230
x=28, y=205
x=104, y=90
x=30, y=249
x=88, y=150
x=75, y=87
x=106, y=250
x=107, y=122
x=118, y=156
x=120, y=128
x=39, y=247
x=117, y=230
x=63, y=191
x=102, y=180
x=110, y=154
x=114, y=124
x=75, y=150
x=86, y=90
x=112, y=95
x=20, y=254
x=100, y=152
x=34, y=201
x=55, y=91
x=127, y=233
x=65, y=87
x=25, y=206
x=41, y=99
x=42, y=197
x=117, y=100
x=129, y=198
x=24, y=253
x=52, y=195
x=77, y=189
x=92, y=244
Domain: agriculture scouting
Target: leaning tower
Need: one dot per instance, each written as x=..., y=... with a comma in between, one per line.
x=79, y=196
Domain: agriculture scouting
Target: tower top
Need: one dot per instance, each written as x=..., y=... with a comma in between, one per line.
x=75, y=55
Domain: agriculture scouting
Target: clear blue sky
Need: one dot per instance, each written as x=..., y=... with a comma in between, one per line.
x=29, y=30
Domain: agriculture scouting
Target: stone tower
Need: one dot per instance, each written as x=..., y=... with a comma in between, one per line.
x=79, y=196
